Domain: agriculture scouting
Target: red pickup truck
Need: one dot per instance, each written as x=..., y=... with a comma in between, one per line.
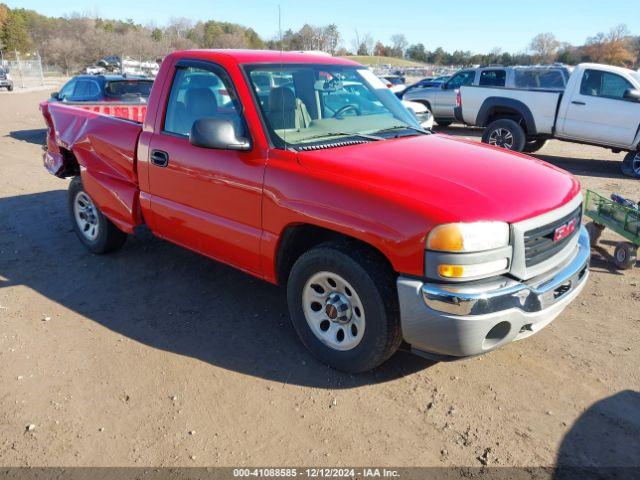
x=383, y=233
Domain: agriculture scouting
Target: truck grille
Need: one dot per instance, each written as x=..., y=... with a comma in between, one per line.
x=540, y=243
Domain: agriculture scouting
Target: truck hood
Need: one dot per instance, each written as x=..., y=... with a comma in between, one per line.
x=452, y=179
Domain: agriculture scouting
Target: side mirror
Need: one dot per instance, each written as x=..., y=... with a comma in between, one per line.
x=633, y=94
x=219, y=134
x=55, y=95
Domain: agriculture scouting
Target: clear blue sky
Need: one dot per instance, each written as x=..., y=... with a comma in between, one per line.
x=474, y=25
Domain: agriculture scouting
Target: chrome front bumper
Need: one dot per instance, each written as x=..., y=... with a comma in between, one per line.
x=469, y=319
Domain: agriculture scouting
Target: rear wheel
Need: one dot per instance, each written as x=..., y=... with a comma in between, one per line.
x=444, y=123
x=344, y=307
x=505, y=133
x=625, y=255
x=10, y=88
x=534, y=145
x=631, y=165
x=93, y=229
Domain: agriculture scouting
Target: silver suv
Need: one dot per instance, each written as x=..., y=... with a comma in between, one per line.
x=442, y=100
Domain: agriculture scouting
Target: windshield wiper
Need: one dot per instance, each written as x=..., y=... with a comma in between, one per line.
x=405, y=127
x=346, y=134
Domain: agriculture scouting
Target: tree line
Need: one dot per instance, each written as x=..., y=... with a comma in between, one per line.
x=77, y=41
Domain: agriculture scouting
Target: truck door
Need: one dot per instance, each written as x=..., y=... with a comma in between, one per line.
x=598, y=112
x=204, y=199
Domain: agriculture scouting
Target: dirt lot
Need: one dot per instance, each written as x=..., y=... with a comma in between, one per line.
x=156, y=356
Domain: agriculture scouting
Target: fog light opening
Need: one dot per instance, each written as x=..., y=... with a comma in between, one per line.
x=496, y=335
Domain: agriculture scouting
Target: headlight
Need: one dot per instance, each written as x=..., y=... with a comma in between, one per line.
x=468, y=237
x=468, y=251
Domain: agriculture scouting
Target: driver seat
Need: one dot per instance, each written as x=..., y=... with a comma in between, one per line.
x=286, y=111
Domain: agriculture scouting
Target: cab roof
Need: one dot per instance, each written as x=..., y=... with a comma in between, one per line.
x=265, y=56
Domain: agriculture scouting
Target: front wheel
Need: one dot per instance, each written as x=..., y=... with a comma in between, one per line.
x=631, y=165
x=94, y=230
x=625, y=255
x=444, y=123
x=505, y=133
x=344, y=307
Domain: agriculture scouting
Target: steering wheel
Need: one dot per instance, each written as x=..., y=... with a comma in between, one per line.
x=342, y=110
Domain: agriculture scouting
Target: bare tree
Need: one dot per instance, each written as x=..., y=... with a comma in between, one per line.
x=398, y=45
x=544, y=47
x=614, y=48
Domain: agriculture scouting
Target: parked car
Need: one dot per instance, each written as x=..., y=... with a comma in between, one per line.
x=600, y=106
x=121, y=96
x=5, y=79
x=428, y=82
x=443, y=101
x=381, y=231
x=422, y=113
x=396, y=83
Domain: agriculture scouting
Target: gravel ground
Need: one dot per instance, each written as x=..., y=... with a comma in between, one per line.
x=156, y=356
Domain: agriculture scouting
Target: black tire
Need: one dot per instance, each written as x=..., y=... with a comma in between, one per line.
x=10, y=88
x=505, y=133
x=595, y=231
x=631, y=165
x=625, y=255
x=108, y=237
x=534, y=145
x=374, y=285
x=444, y=123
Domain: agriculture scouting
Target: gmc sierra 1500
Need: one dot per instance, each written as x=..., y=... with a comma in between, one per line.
x=382, y=232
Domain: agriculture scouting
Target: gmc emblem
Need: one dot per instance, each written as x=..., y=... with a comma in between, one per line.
x=563, y=231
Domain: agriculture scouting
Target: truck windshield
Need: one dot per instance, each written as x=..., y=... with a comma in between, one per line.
x=311, y=103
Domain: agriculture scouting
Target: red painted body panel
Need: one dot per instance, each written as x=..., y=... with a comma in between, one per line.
x=234, y=206
x=105, y=149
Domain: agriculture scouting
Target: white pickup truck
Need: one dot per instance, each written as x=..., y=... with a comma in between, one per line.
x=599, y=106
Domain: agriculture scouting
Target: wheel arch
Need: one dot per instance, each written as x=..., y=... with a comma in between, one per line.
x=495, y=108
x=296, y=239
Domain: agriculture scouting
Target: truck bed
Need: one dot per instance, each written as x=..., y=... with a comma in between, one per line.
x=103, y=149
x=126, y=111
x=543, y=104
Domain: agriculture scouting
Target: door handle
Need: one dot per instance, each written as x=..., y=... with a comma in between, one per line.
x=578, y=103
x=159, y=158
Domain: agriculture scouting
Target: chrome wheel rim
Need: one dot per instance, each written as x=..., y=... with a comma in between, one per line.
x=334, y=311
x=501, y=137
x=86, y=216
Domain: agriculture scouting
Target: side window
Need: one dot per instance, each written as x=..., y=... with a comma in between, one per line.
x=493, y=78
x=198, y=93
x=67, y=90
x=460, y=79
x=614, y=86
x=552, y=80
x=597, y=83
x=542, y=79
x=85, y=90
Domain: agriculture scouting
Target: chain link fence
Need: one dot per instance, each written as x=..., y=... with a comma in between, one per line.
x=26, y=72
